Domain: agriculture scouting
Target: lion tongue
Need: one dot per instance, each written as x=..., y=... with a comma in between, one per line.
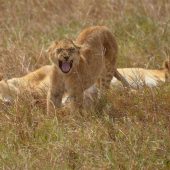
x=66, y=66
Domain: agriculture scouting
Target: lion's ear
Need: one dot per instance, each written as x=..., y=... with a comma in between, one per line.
x=51, y=47
x=167, y=64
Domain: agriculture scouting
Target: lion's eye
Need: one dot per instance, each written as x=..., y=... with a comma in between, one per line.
x=71, y=50
x=59, y=50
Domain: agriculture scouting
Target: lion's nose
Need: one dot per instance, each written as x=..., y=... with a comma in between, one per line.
x=66, y=58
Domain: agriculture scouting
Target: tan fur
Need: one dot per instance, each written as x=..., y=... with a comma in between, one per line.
x=36, y=82
x=92, y=57
x=139, y=77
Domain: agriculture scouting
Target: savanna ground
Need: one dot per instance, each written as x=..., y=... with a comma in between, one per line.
x=126, y=131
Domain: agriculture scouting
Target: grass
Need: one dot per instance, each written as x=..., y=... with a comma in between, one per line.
x=126, y=131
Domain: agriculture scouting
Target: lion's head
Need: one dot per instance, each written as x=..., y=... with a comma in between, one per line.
x=167, y=70
x=65, y=55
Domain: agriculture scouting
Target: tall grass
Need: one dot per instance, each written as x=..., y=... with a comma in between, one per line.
x=126, y=131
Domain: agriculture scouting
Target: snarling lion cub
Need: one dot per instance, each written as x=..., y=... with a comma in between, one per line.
x=78, y=65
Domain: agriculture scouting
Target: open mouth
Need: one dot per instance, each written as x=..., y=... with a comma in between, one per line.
x=65, y=66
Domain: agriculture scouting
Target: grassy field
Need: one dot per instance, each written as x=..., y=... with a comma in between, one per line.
x=126, y=131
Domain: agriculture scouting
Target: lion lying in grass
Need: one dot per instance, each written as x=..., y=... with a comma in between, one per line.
x=37, y=82
x=78, y=65
x=140, y=77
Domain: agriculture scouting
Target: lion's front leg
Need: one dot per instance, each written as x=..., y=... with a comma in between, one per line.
x=55, y=92
x=76, y=100
x=54, y=99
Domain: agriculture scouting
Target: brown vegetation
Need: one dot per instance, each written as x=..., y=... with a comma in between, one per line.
x=126, y=131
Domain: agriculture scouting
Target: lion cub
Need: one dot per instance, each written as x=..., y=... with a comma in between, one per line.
x=80, y=64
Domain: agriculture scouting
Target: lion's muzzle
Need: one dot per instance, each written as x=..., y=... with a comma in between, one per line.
x=65, y=66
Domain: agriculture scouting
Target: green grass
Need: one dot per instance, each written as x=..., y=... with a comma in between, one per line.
x=125, y=131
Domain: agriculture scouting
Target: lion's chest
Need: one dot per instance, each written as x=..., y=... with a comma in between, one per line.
x=78, y=84
x=83, y=78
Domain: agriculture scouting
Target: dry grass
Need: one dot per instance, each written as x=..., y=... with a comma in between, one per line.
x=126, y=131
